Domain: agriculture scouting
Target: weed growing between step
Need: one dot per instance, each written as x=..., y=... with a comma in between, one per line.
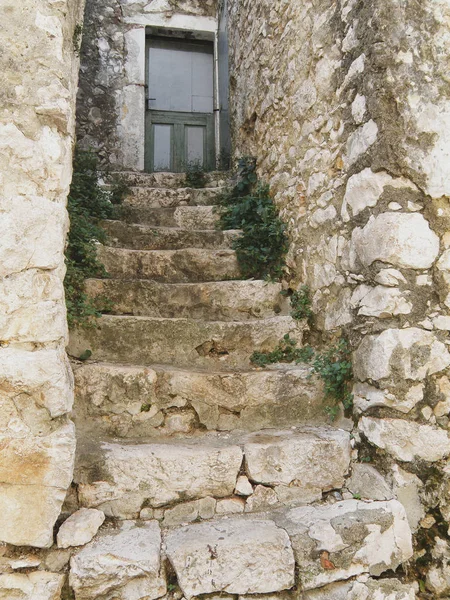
x=300, y=303
x=248, y=206
x=87, y=205
x=333, y=366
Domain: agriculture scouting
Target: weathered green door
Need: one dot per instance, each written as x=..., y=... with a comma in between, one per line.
x=180, y=105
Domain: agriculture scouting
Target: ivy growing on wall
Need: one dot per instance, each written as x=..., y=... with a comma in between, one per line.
x=248, y=206
x=88, y=204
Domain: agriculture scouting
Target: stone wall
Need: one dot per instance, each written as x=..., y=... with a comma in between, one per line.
x=346, y=106
x=37, y=118
x=111, y=98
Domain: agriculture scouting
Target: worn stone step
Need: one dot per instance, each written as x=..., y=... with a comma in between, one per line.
x=181, y=342
x=122, y=478
x=244, y=556
x=139, y=401
x=355, y=538
x=185, y=217
x=156, y=197
x=213, y=301
x=170, y=266
x=166, y=180
x=144, y=237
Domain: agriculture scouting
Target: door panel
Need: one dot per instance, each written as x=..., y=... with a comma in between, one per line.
x=162, y=147
x=180, y=105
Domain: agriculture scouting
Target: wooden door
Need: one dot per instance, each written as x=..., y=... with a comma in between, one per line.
x=180, y=105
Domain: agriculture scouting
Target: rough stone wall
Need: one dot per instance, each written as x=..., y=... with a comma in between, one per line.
x=111, y=98
x=39, y=72
x=346, y=106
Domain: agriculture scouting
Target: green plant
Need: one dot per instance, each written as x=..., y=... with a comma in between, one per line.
x=285, y=352
x=195, y=175
x=301, y=304
x=263, y=244
x=87, y=205
x=333, y=366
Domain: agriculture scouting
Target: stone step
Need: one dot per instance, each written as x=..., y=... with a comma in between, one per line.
x=243, y=556
x=181, y=342
x=185, y=217
x=141, y=401
x=144, y=237
x=167, y=180
x=170, y=266
x=212, y=301
x=253, y=556
x=296, y=465
x=154, y=197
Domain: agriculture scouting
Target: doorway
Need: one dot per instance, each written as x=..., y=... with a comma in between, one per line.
x=179, y=119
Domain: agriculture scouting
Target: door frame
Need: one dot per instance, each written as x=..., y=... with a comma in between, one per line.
x=180, y=119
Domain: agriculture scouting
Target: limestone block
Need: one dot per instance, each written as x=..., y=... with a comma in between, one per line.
x=438, y=577
x=33, y=235
x=360, y=140
x=80, y=527
x=417, y=353
x=230, y=506
x=233, y=556
x=262, y=498
x=124, y=560
x=356, y=537
x=401, y=239
x=366, y=589
x=407, y=488
x=390, y=277
x=366, y=396
x=365, y=189
x=32, y=307
x=406, y=440
x=382, y=302
x=35, y=473
x=243, y=486
x=314, y=460
x=368, y=483
x=36, y=585
x=181, y=513
x=160, y=473
x=44, y=374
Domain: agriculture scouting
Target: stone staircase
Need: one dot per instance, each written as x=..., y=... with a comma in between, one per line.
x=216, y=477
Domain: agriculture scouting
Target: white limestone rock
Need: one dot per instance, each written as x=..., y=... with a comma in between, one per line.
x=233, y=555
x=160, y=473
x=382, y=302
x=80, y=527
x=360, y=141
x=365, y=189
x=366, y=589
x=357, y=537
x=35, y=473
x=36, y=585
x=401, y=239
x=243, y=486
x=32, y=307
x=438, y=577
x=230, y=506
x=366, y=396
x=417, y=353
x=390, y=277
x=45, y=375
x=406, y=440
x=262, y=498
x=124, y=561
x=313, y=461
x=407, y=488
x=368, y=483
x=181, y=513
